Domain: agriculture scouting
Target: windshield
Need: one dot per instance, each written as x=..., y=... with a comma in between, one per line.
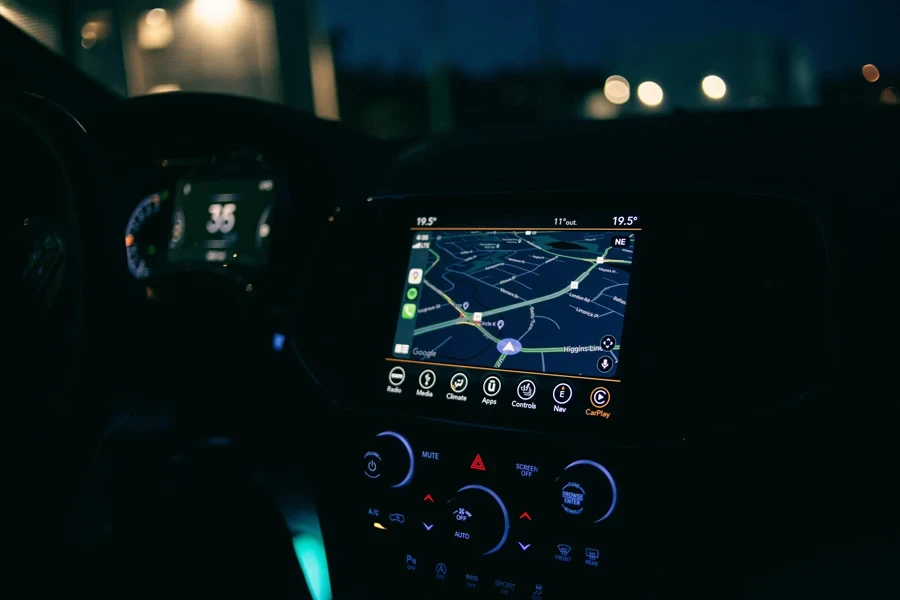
x=409, y=68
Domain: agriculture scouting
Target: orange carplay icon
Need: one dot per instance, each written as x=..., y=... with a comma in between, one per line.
x=477, y=464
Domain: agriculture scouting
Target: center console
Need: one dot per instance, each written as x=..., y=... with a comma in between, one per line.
x=533, y=366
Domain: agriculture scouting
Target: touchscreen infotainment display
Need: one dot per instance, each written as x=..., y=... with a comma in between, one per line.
x=222, y=221
x=542, y=301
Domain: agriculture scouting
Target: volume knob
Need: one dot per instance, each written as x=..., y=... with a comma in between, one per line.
x=389, y=461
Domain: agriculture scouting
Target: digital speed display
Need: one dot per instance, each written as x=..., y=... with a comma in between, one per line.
x=222, y=221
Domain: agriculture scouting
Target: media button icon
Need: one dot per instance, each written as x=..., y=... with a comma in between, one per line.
x=562, y=393
x=427, y=379
x=526, y=389
x=491, y=386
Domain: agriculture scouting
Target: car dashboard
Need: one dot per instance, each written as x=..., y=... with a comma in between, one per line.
x=516, y=363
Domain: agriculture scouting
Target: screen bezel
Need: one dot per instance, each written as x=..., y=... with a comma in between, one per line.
x=390, y=219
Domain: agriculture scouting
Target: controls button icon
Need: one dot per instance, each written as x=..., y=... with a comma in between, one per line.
x=397, y=518
x=440, y=570
x=591, y=553
x=459, y=382
x=604, y=364
x=600, y=397
x=491, y=386
x=607, y=342
x=397, y=376
x=427, y=526
x=526, y=389
x=564, y=549
x=562, y=393
x=524, y=546
x=427, y=379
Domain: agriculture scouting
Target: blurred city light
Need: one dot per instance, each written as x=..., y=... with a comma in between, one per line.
x=889, y=96
x=616, y=89
x=650, y=93
x=598, y=105
x=156, y=17
x=88, y=39
x=713, y=87
x=164, y=88
x=216, y=12
x=155, y=30
x=870, y=73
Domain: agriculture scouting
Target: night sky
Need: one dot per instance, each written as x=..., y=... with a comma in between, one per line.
x=487, y=35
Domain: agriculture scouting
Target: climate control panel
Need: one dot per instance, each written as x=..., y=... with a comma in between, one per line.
x=497, y=520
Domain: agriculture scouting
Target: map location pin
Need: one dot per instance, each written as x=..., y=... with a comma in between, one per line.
x=500, y=324
x=465, y=306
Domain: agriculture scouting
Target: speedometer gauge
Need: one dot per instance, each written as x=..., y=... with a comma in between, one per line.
x=145, y=235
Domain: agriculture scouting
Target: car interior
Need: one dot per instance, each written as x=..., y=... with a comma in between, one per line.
x=257, y=353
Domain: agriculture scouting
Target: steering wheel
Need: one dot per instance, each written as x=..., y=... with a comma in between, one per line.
x=48, y=174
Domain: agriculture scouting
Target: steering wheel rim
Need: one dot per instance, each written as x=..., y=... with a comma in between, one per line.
x=53, y=172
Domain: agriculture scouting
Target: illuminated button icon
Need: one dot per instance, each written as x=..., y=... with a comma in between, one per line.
x=408, y=312
x=427, y=379
x=526, y=389
x=397, y=376
x=459, y=382
x=607, y=342
x=401, y=349
x=605, y=364
x=477, y=317
x=415, y=276
x=600, y=397
x=412, y=293
x=562, y=393
x=491, y=386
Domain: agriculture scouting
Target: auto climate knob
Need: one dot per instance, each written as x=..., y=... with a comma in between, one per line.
x=389, y=460
x=478, y=522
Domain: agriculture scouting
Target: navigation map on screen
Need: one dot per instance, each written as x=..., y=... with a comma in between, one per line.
x=545, y=301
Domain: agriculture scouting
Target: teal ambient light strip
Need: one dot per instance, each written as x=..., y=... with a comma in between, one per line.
x=310, y=551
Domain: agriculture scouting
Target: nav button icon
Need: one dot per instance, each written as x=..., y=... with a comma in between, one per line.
x=562, y=393
x=491, y=386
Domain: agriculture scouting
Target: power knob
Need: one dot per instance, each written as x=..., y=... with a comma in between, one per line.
x=389, y=461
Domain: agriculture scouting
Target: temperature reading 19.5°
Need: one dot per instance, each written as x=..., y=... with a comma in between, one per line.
x=624, y=221
x=425, y=221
